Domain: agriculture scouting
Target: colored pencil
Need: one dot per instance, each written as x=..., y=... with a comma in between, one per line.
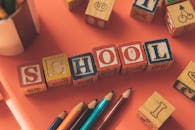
x=9, y=6
x=3, y=14
x=74, y=113
x=85, y=114
x=120, y=102
x=58, y=121
x=97, y=112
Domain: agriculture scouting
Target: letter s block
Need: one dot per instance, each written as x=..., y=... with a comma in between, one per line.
x=155, y=111
x=107, y=60
x=31, y=78
x=132, y=56
x=83, y=69
x=159, y=54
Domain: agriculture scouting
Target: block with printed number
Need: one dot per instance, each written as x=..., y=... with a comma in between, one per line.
x=180, y=18
x=159, y=54
x=98, y=12
x=56, y=70
x=74, y=4
x=1, y=97
x=83, y=69
x=31, y=78
x=185, y=83
x=132, y=56
x=144, y=9
x=155, y=111
x=107, y=60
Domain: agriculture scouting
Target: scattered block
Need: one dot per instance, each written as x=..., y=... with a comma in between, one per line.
x=132, y=56
x=159, y=54
x=31, y=78
x=185, y=83
x=107, y=60
x=171, y=2
x=83, y=69
x=155, y=111
x=74, y=4
x=144, y=9
x=180, y=18
x=57, y=71
x=98, y=12
x=1, y=97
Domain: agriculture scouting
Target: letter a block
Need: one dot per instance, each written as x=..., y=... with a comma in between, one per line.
x=31, y=79
x=159, y=54
x=185, y=83
x=155, y=111
x=83, y=69
x=56, y=70
x=132, y=57
x=107, y=60
x=1, y=97
x=144, y=9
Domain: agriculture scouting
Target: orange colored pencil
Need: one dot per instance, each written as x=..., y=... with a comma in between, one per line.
x=74, y=113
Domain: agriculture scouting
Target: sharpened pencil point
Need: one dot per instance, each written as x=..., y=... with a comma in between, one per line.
x=127, y=93
x=109, y=95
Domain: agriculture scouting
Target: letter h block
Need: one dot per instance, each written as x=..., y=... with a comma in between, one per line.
x=56, y=70
x=144, y=9
x=159, y=54
x=132, y=56
x=155, y=111
x=83, y=69
x=107, y=60
x=31, y=78
x=185, y=83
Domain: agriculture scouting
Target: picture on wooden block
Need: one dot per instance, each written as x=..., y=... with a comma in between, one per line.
x=98, y=12
x=132, y=57
x=180, y=18
x=155, y=111
x=31, y=78
x=107, y=60
x=83, y=69
x=159, y=54
x=185, y=83
x=56, y=70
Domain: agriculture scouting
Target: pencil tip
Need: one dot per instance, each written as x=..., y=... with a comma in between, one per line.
x=92, y=104
x=127, y=93
x=109, y=95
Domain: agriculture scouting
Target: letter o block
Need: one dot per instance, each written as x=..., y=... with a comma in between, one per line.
x=107, y=60
x=31, y=78
x=132, y=57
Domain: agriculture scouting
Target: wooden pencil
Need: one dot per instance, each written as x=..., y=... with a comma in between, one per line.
x=120, y=102
x=74, y=113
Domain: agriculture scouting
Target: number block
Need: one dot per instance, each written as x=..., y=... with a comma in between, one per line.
x=1, y=97
x=159, y=54
x=132, y=56
x=31, y=78
x=98, y=12
x=171, y=2
x=185, y=83
x=155, y=111
x=74, y=4
x=83, y=69
x=107, y=60
x=144, y=9
x=180, y=18
x=56, y=70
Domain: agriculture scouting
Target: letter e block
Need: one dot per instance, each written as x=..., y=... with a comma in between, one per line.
x=31, y=79
x=185, y=83
x=83, y=69
x=107, y=60
x=155, y=111
x=56, y=70
x=132, y=56
x=159, y=54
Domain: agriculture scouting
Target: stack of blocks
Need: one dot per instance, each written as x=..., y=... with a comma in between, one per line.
x=1, y=97
x=103, y=61
x=185, y=83
x=155, y=111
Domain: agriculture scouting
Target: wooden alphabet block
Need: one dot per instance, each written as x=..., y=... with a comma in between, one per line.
x=159, y=54
x=31, y=78
x=180, y=18
x=171, y=2
x=155, y=111
x=56, y=70
x=185, y=83
x=1, y=97
x=98, y=12
x=107, y=60
x=132, y=56
x=144, y=9
x=74, y=4
x=83, y=69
